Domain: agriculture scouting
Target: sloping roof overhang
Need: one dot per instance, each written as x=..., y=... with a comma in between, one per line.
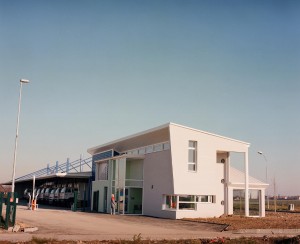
x=148, y=137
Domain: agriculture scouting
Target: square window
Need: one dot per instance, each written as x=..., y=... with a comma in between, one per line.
x=166, y=146
x=158, y=147
x=192, y=144
x=192, y=167
x=149, y=149
x=142, y=150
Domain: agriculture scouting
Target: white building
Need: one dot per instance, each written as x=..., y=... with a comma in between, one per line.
x=173, y=171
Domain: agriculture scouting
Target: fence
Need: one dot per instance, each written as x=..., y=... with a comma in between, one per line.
x=8, y=209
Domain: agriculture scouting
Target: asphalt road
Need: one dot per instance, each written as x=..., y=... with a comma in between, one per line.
x=67, y=225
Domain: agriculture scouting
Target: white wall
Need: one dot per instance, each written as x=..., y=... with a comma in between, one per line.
x=158, y=180
x=99, y=186
x=134, y=169
x=207, y=179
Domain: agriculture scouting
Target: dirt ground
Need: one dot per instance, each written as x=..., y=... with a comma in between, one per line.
x=279, y=220
x=57, y=226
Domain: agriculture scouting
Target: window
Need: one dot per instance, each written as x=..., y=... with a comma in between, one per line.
x=171, y=202
x=158, y=147
x=187, y=206
x=192, y=160
x=208, y=199
x=142, y=150
x=185, y=202
x=149, y=149
x=187, y=198
x=103, y=171
x=166, y=146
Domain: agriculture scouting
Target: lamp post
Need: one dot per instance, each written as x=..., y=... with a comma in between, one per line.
x=261, y=153
x=22, y=81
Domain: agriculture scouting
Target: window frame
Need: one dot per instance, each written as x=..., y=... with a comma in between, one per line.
x=102, y=174
x=194, y=149
x=174, y=202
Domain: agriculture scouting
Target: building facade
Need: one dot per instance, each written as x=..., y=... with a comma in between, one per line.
x=173, y=171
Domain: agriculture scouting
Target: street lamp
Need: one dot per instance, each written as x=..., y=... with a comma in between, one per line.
x=261, y=153
x=22, y=81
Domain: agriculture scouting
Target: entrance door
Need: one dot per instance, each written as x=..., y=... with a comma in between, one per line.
x=105, y=200
x=96, y=201
x=135, y=200
x=121, y=202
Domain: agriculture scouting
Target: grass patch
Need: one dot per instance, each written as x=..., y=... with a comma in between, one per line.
x=37, y=240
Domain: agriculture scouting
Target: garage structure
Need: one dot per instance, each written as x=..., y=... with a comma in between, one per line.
x=172, y=171
x=79, y=181
x=73, y=176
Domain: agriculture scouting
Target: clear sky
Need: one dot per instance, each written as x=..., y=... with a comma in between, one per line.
x=101, y=70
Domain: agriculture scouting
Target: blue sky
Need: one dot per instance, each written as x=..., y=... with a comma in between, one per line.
x=100, y=70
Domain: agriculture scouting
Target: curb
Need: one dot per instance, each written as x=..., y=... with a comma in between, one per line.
x=268, y=231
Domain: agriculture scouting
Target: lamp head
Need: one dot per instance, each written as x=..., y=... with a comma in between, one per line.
x=24, y=81
x=259, y=152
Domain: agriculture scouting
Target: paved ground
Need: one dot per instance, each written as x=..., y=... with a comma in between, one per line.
x=67, y=225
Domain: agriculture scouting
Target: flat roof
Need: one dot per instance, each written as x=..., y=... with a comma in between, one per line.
x=79, y=175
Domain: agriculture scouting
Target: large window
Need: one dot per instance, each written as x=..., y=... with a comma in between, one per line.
x=185, y=202
x=103, y=171
x=192, y=160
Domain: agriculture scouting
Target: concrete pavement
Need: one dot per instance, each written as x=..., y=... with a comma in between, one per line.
x=67, y=225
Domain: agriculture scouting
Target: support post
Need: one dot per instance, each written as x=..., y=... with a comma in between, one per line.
x=228, y=200
x=33, y=186
x=1, y=206
x=262, y=203
x=246, y=185
x=68, y=165
x=80, y=166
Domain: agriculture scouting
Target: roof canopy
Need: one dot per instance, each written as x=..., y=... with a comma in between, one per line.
x=148, y=137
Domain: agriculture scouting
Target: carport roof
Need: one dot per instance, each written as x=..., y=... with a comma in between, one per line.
x=80, y=175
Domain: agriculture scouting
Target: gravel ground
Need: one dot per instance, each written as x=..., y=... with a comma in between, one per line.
x=79, y=227
x=280, y=220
